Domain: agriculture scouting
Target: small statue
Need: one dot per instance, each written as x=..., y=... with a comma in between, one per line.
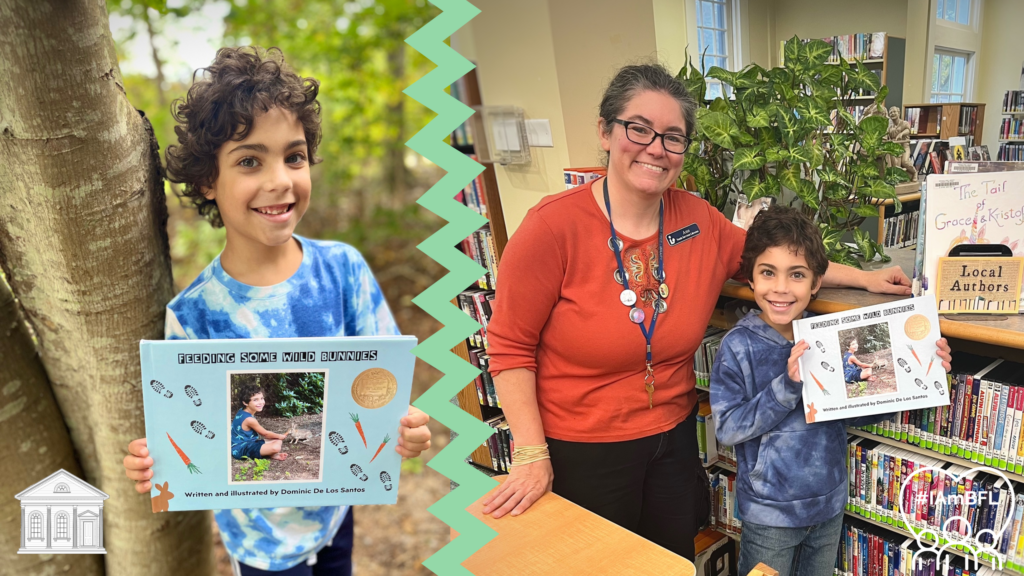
x=899, y=132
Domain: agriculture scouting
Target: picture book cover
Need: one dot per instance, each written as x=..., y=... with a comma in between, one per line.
x=971, y=208
x=871, y=360
x=263, y=423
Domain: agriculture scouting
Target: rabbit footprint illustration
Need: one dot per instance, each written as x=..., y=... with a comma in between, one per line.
x=338, y=441
x=200, y=428
x=385, y=479
x=161, y=389
x=161, y=500
x=358, y=472
x=193, y=394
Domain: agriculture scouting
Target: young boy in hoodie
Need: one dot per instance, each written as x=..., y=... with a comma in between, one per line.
x=791, y=476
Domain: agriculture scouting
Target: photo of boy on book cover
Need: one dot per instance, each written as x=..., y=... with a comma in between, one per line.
x=867, y=361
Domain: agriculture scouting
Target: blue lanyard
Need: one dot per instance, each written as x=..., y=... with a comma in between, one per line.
x=660, y=276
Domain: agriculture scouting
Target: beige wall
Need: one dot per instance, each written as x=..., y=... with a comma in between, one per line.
x=999, y=69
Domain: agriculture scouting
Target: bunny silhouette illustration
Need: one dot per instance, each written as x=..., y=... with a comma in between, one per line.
x=161, y=501
x=385, y=479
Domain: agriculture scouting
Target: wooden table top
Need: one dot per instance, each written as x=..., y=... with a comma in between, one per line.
x=556, y=536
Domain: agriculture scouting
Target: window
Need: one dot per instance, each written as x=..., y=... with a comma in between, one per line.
x=958, y=11
x=62, y=525
x=714, y=40
x=35, y=522
x=61, y=488
x=949, y=76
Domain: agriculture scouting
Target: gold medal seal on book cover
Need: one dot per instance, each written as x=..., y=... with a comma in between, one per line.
x=917, y=327
x=374, y=388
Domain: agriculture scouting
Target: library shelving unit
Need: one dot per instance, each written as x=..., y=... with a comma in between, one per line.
x=889, y=69
x=468, y=91
x=943, y=121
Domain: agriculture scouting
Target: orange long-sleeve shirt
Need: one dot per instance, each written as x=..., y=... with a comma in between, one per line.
x=557, y=313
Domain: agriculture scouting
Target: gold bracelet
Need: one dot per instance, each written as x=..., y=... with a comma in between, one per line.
x=523, y=455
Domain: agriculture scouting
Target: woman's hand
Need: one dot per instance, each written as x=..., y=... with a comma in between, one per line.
x=138, y=465
x=890, y=280
x=793, y=366
x=524, y=486
x=945, y=354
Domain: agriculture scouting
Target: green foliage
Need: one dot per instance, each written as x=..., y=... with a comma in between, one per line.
x=251, y=469
x=299, y=393
x=786, y=134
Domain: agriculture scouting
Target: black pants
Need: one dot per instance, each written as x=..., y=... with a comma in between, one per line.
x=649, y=486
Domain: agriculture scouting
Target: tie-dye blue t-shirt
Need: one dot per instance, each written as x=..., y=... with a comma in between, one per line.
x=333, y=293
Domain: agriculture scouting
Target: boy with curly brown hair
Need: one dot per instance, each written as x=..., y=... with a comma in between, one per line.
x=247, y=133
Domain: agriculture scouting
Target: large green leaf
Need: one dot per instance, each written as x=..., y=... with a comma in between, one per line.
x=803, y=154
x=828, y=173
x=807, y=193
x=831, y=76
x=863, y=242
x=872, y=130
x=720, y=105
x=789, y=176
x=789, y=126
x=722, y=74
x=693, y=81
x=756, y=187
x=748, y=159
x=892, y=149
x=880, y=97
x=758, y=117
x=720, y=129
x=775, y=154
x=816, y=52
x=866, y=210
x=843, y=256
x=749, y=77
x=831, y=237
x=862, y=78
x=791, y=53
x=867, y=169
x=894, y=175
x=813, y=112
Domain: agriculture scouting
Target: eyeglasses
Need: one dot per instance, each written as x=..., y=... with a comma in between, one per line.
x=645, y=136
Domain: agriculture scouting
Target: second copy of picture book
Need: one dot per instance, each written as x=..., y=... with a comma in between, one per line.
x=265, y=423
x=872, y=360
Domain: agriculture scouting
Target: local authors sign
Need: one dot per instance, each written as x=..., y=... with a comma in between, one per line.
x=979, y=285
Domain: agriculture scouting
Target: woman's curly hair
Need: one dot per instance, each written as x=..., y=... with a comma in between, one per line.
x=241, y=84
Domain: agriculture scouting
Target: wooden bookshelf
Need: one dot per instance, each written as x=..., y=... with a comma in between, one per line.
x=906, y=192
x=942, y=120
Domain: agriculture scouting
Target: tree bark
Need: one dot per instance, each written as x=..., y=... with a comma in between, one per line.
x=83, y=242
x=38, y=443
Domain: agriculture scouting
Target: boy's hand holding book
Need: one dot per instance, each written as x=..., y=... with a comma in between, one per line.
x=793, y=366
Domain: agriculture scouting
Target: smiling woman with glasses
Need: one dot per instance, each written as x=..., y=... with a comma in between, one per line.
x=606, y=291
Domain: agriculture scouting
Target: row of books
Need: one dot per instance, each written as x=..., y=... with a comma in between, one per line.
x=863, y=46
x=710, y=450
x=473, y=194
x=1013, y=101
x=724, y=513
x=866, y=550
x=579, y=176
x=968, y=120
x=929, y=156
x=704, y=357
x=485, y=391
x=918, y=118
x=901, y=229
x=913, y=492
x=500, y=444
x=1011, y=152
x=982, y=422
x=480, y=247
x=462, y=136
x=1012, y=129
x=477, y=304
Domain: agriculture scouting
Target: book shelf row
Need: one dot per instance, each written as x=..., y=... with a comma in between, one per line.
x=1013, y=101
x=946, y=120
x=1011, y=152
x=867, y=47
x=1011, y=129
x=901, y=228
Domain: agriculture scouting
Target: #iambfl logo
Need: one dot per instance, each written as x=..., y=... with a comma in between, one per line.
x=942, y=511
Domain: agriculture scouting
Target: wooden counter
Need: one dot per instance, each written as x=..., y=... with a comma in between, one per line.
x=556, y=536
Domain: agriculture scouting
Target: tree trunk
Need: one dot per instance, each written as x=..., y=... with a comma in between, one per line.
x=83, y=242
x=397, y=177
x=38, y=445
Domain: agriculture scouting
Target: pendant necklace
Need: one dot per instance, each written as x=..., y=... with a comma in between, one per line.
x=628, y=297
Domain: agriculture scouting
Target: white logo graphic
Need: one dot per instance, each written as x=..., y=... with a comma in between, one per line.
x=956, y=530
x=61, y=514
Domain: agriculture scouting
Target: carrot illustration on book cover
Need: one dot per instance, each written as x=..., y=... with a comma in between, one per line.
x=386, y=440
x=359, y=427
x=930, y=362
x=818, y=382
x=192, y=468
x=914, y=352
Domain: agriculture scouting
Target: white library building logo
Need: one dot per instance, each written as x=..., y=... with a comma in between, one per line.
x=61, y=514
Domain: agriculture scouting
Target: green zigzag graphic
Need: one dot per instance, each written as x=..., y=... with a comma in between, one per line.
x=436, y=300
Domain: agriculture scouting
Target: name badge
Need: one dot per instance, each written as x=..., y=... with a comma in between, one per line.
x=682, y=235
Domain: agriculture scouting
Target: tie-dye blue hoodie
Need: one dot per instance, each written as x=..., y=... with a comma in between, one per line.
x=790, y=474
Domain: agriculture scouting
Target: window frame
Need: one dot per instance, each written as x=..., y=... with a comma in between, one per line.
x=934, y=89
x=733, y=48
x=972, y=6
x=62, y=526
x=35, y=523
